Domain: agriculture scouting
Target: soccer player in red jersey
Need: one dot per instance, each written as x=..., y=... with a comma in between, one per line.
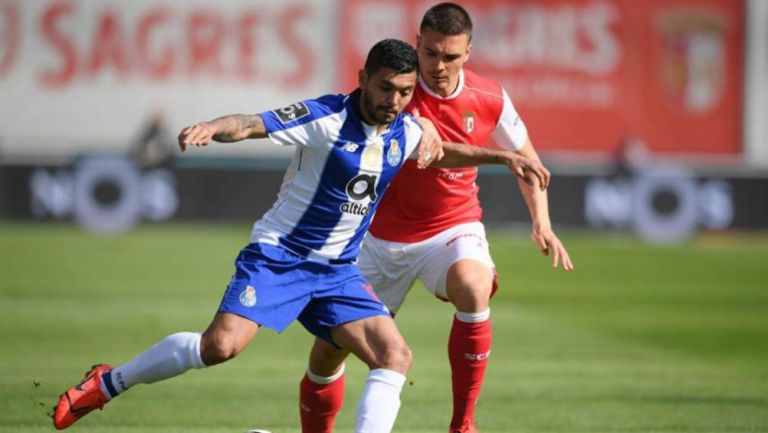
x=428, y=225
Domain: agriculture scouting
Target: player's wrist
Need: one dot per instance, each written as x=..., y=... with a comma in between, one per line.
x=503, y=157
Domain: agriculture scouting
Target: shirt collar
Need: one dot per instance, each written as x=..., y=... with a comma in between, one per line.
x=459, y=87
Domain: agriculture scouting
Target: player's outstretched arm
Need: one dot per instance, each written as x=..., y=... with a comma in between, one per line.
x=225, y=129
x=542, y=235
x=463, y=155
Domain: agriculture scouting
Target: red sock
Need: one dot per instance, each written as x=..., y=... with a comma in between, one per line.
x=319, y=404
x=468, y=349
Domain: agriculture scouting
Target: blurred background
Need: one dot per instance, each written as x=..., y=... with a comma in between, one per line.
x=652, y=115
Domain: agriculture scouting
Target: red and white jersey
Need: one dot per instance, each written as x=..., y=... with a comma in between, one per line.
x=422, y=203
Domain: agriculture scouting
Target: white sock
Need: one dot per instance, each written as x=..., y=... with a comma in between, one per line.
x=380, y=401
x=170, y=357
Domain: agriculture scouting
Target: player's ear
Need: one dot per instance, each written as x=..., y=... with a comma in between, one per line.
x=469, y=50
x=362, y=78
x=418, y=40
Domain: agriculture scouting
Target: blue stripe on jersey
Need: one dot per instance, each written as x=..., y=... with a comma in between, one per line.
x=396, y=132
x=280, y=119
x=322, y=215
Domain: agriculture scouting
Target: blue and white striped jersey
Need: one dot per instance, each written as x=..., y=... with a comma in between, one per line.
x=339, y=172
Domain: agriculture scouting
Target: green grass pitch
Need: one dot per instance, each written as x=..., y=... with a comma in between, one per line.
x=638, y=339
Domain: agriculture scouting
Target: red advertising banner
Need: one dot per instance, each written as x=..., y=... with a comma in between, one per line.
x=81, y=76
x=585, y=74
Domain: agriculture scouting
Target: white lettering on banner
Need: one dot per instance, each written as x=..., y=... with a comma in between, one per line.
x=631, y=203
x=51, y=193
x=576, y=38
x=555, y=91
x=135, y=194
x=571, y=37
x=575, y=44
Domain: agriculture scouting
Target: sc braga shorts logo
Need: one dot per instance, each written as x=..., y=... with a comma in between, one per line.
x=361, y=189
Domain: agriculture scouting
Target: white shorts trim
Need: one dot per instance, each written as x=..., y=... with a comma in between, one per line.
x=393, y=267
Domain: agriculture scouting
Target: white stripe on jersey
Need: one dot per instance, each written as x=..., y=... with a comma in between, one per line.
x=346, y=228
x=299, y=186
x=333, y=184
x=510, y=132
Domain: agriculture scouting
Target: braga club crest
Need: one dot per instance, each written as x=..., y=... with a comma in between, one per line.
x=468, y=121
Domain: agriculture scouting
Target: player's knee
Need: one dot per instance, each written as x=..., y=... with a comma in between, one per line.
x=218, y=348
x=398, y=358
x=469, y=285
x=471, y=293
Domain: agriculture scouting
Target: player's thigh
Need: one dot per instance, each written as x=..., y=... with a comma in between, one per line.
x=388, y=268
x=226, y=336
x=462, y=244
x=376, y=341
x=345, y=296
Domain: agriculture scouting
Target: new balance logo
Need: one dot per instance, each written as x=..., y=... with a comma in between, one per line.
x=351, y=147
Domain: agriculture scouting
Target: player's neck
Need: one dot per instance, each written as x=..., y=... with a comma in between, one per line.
x=446, y=92
x=367, y=117
x=449, y=90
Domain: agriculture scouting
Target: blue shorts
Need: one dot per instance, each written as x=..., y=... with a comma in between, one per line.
x=273, y=286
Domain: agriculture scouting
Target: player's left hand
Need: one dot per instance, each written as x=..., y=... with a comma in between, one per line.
x=431, y=145
x=550, y=245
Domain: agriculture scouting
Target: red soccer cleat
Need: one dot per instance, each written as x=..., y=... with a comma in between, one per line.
x=81, y=399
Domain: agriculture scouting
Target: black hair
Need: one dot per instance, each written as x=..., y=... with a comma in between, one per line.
x=447, y=18
x=392, y=54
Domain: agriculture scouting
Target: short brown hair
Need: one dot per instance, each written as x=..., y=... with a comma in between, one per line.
x=447, y=18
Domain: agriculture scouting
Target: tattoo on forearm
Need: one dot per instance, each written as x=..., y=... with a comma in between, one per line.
x=245, y=122
x=234, y=127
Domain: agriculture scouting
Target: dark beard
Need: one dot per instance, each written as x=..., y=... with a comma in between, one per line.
x=370, y=108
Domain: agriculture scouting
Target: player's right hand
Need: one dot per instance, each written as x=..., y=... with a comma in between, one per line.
x=528, y=169
x=431, y=145
x=198, y=135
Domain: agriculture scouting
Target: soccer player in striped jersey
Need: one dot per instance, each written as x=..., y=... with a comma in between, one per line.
x=299, y=264
x=428, y=226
